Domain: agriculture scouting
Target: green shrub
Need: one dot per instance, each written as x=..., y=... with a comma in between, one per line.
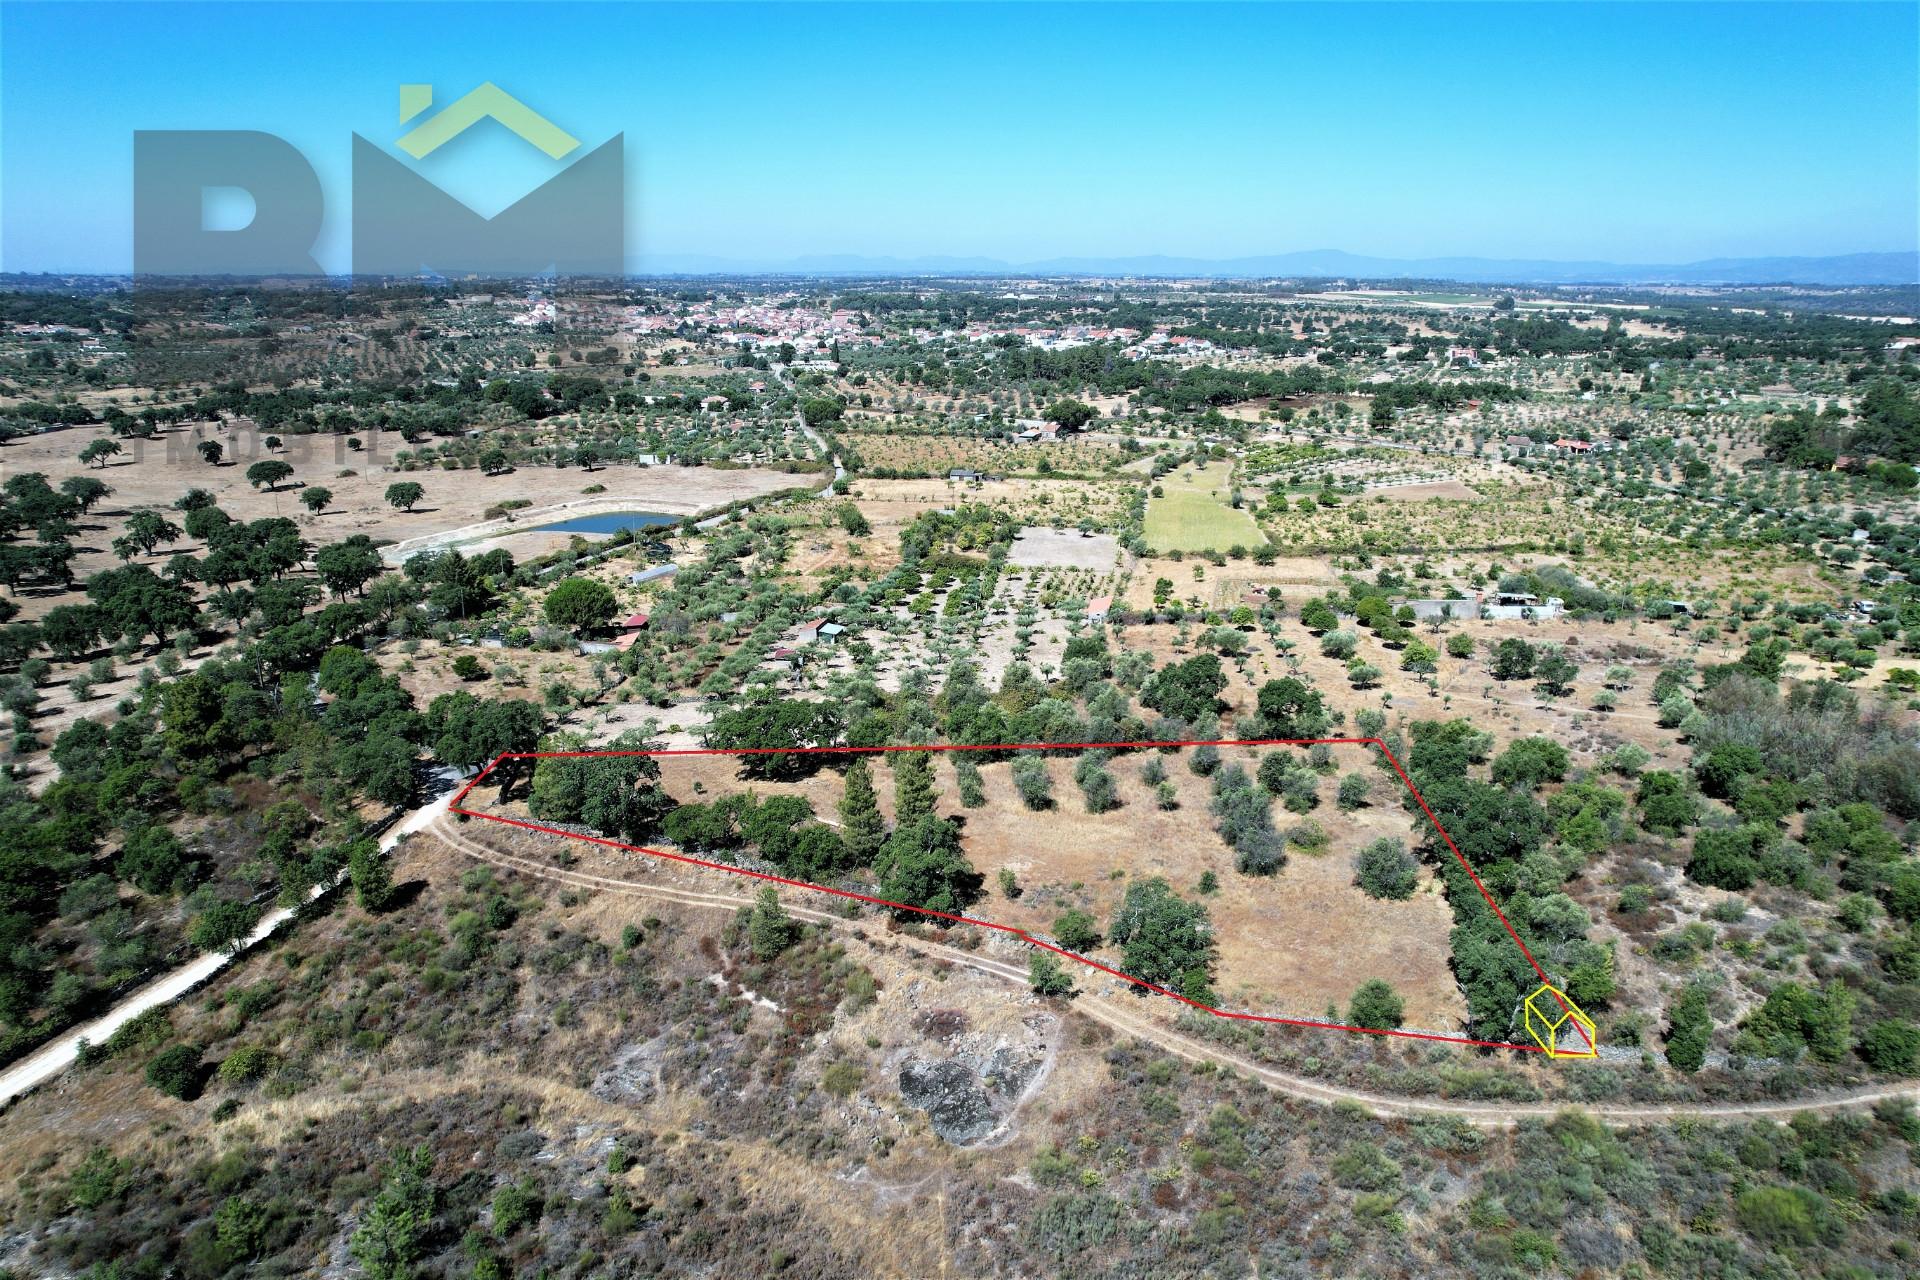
x=1795, y=1017
x=1166, y=940
x=240, y=1226
x=1728, y=858
x=515, y=1206
x=392, y=1233
x=1047, y=976
x=1530, y=762
x=1386, y=870
x=1376, y=1007
x=841, y=1078
x=1076, y=931
x=224, y=926
x=1891, y=1046
x=1365, y=1167
x=1724, y=766
x=176, y=1072
x=1690, y=1030
x=1050, y=1166
x=1628, y=759
x=247, y=1064
x=1665, y=804
x=100, y=1176
x=1781, y=1215
x=1066, y=1225
x=1031, y=780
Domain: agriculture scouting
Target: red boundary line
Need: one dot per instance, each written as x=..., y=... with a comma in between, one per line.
x=454, y=806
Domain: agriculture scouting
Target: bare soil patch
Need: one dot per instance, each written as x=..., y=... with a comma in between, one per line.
x=1065, y=548
x=1452, y=490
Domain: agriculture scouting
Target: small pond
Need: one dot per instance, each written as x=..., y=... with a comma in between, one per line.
x=609, y=522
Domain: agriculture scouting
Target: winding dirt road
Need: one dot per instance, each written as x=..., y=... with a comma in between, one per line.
x=1492, y=1115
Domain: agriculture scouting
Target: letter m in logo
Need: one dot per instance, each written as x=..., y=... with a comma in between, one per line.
x=573, y=224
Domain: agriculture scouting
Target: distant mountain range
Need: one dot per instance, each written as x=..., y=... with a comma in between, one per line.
x=1899, y=268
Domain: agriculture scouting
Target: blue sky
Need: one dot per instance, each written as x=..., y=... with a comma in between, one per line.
x=1637, y=133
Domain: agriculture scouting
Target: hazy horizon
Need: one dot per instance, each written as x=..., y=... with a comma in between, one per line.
x=1891, y=269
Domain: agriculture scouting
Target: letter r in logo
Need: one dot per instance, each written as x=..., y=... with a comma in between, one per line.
x=172, y=171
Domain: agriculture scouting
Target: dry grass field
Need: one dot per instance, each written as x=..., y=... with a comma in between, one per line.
x=155, y=473
x=1295, y=944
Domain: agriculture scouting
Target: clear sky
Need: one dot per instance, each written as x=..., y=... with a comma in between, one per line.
x=1632, y=133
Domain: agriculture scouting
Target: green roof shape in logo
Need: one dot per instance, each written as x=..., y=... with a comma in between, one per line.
x=488, y=100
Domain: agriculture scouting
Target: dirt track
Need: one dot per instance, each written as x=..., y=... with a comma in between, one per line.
x=1493, y=1115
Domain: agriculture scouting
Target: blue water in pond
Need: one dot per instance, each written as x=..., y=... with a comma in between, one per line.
x=609, y=522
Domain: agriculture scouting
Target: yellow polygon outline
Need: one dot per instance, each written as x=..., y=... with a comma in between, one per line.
x=1547, y=1029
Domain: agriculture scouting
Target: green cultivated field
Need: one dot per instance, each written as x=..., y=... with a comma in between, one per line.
x=1194, y=514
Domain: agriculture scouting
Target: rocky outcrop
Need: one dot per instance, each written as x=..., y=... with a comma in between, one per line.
x=970, y=1095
